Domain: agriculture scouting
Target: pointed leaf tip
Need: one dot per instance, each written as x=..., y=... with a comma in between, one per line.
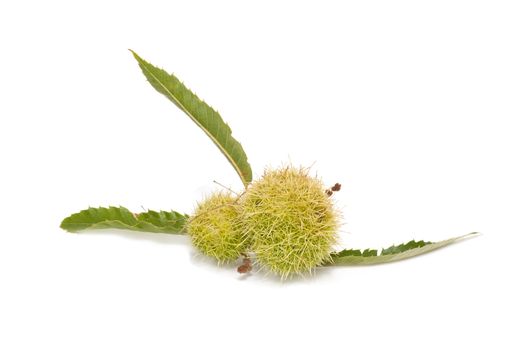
x=394, y=253
x=208, y=119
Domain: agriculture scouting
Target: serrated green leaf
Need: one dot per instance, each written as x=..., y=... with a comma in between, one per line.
x=391, y=254
x=202, y=114
x=122, y=218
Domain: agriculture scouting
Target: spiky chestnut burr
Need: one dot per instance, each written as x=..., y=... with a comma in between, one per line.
x=214, y=227
x=290, y=221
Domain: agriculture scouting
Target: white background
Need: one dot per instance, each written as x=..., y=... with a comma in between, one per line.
x=416, y=107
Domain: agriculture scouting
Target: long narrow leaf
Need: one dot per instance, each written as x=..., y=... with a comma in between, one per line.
x=391, y=254
x=122, y=218
x=202, y=114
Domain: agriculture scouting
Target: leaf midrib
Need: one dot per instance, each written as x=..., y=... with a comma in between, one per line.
x=223, y=150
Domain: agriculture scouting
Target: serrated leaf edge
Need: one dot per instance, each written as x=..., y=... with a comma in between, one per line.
x=245, y=180
x=128, y=221
x=350, y=257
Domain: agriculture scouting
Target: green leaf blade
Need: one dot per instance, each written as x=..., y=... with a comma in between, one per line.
x=121, y=218
x=201, y=113
x=349, y=257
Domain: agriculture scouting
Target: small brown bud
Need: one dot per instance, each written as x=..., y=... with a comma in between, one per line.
x=244, y=268
x=336, y=187
x=246, y=265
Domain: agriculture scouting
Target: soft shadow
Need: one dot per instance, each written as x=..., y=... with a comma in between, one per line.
x=257, y=275
x=158, y=238
x=260, y=275
x=199, y=259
